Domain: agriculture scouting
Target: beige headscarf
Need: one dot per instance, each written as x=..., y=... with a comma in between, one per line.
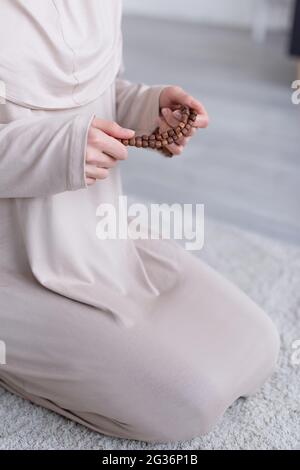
x=58, y=53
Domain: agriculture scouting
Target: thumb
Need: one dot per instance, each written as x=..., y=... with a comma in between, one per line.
x=171, y=117
x=113, y=129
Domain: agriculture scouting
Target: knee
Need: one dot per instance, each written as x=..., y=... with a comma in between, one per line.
x=268, y=342
x=263, y=341
x=192, y=409
x=267, y=339
x=195, y=401
x=272, y=342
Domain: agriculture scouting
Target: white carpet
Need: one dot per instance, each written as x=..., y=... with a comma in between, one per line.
x=270, y=273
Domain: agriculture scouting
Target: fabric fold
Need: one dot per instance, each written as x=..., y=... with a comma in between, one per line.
x=62, y=54
x=41, y=155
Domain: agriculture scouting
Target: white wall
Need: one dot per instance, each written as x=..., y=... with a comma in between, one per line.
x=236, y=13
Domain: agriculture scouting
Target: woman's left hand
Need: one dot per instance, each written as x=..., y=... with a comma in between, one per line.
x=169, y=100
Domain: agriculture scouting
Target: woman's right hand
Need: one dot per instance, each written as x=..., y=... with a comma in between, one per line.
x=103, y=149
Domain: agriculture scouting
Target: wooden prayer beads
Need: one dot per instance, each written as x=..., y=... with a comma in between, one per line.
x=160, y=141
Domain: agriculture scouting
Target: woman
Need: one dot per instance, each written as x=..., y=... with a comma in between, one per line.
x=135, y=339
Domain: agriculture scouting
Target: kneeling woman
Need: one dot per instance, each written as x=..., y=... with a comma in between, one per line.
x=135, y=339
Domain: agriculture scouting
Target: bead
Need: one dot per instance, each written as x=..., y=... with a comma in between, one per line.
x=160, y=141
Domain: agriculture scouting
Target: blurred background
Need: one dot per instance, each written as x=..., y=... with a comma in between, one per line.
x=239, y=58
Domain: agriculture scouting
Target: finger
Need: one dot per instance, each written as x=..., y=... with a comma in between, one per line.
x=112, y=147
x=92, y=171
x=163, y=125
x=196, y=105
x=178, y=95
x=191, y=102
x=174, y=117
x=100, y=142
x=93, y=154
x=183, y=141
x=90, y=181
x=100, y=159
x=201, y=122
x=171, y=117
x=113, y=129
x=106, y=161
x=175, y=149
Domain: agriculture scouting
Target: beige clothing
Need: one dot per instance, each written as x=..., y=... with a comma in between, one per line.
x=59, y=53
x=136, y=339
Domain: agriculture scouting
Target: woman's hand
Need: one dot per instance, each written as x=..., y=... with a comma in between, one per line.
x=170, y=98
x=103, y=150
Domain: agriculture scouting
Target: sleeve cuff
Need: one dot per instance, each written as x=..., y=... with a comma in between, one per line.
x=76, y=174
x=151, y=110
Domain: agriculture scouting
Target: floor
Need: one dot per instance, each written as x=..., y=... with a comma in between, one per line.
x=246, y=167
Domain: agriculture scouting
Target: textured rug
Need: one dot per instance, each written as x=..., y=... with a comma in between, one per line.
x=269, y=272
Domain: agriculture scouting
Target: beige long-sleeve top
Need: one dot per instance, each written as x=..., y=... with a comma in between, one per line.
x=48, y=215
x=59, y=53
